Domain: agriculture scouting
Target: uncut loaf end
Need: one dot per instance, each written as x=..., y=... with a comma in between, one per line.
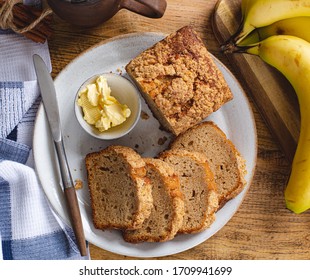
x=179, y=80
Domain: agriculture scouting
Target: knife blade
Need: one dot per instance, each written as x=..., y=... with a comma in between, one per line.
x=49, y=99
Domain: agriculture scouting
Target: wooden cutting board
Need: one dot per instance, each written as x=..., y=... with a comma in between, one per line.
x=269, y=89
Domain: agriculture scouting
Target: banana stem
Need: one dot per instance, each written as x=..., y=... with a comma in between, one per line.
x=241, y=37
x=234, y=37
x=233, y=48
x=228, y=48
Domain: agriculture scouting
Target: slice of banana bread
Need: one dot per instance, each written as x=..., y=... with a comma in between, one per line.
x=168, y=205
x=224, y=159
x=179, y=80
x=198, y=187
x=120, y=192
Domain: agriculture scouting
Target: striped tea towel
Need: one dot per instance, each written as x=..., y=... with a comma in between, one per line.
x=28, y=227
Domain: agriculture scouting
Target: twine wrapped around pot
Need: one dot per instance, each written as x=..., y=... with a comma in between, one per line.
x=26, y=20
x=6, y=17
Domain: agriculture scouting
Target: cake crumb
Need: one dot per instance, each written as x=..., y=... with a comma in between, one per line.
x=162, y=140
x=144, y=115
x=78, y=184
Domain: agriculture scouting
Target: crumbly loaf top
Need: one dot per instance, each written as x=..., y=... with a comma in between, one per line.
x=181, y=78
x=225, y=160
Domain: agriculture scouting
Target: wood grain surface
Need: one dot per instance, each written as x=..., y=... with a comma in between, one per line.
x=262, y=228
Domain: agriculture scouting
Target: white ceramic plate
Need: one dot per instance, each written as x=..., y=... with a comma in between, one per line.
x=235, y=118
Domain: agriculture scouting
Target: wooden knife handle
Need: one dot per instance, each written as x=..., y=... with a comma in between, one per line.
x=74, y=211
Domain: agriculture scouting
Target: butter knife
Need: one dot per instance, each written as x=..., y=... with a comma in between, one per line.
x=49, y=99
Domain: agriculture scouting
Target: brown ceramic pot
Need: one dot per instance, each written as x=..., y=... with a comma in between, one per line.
x=89, y=13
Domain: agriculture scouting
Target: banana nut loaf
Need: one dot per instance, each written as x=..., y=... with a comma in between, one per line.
x=120, y=192
x=168, y=205
x=198, y=187
x=179, y=80
x=226, y=162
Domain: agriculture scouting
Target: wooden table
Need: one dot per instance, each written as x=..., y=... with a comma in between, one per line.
x=262, y=228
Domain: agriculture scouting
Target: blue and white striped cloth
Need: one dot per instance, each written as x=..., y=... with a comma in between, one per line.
x=28, y=227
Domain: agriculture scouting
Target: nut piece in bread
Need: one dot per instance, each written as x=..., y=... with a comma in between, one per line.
x=120, y=192
x=198, y=187
x=179, y=80
x=225, y=161
x=167, y=214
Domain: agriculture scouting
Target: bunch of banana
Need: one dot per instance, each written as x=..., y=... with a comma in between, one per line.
x=261, y=13
x=278, y=31
x=291, y=56
x=296, y=26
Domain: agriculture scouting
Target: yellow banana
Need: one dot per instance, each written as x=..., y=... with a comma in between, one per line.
x=259, y=13
x=244, y=6
x=297, y=26
x=291, y=56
